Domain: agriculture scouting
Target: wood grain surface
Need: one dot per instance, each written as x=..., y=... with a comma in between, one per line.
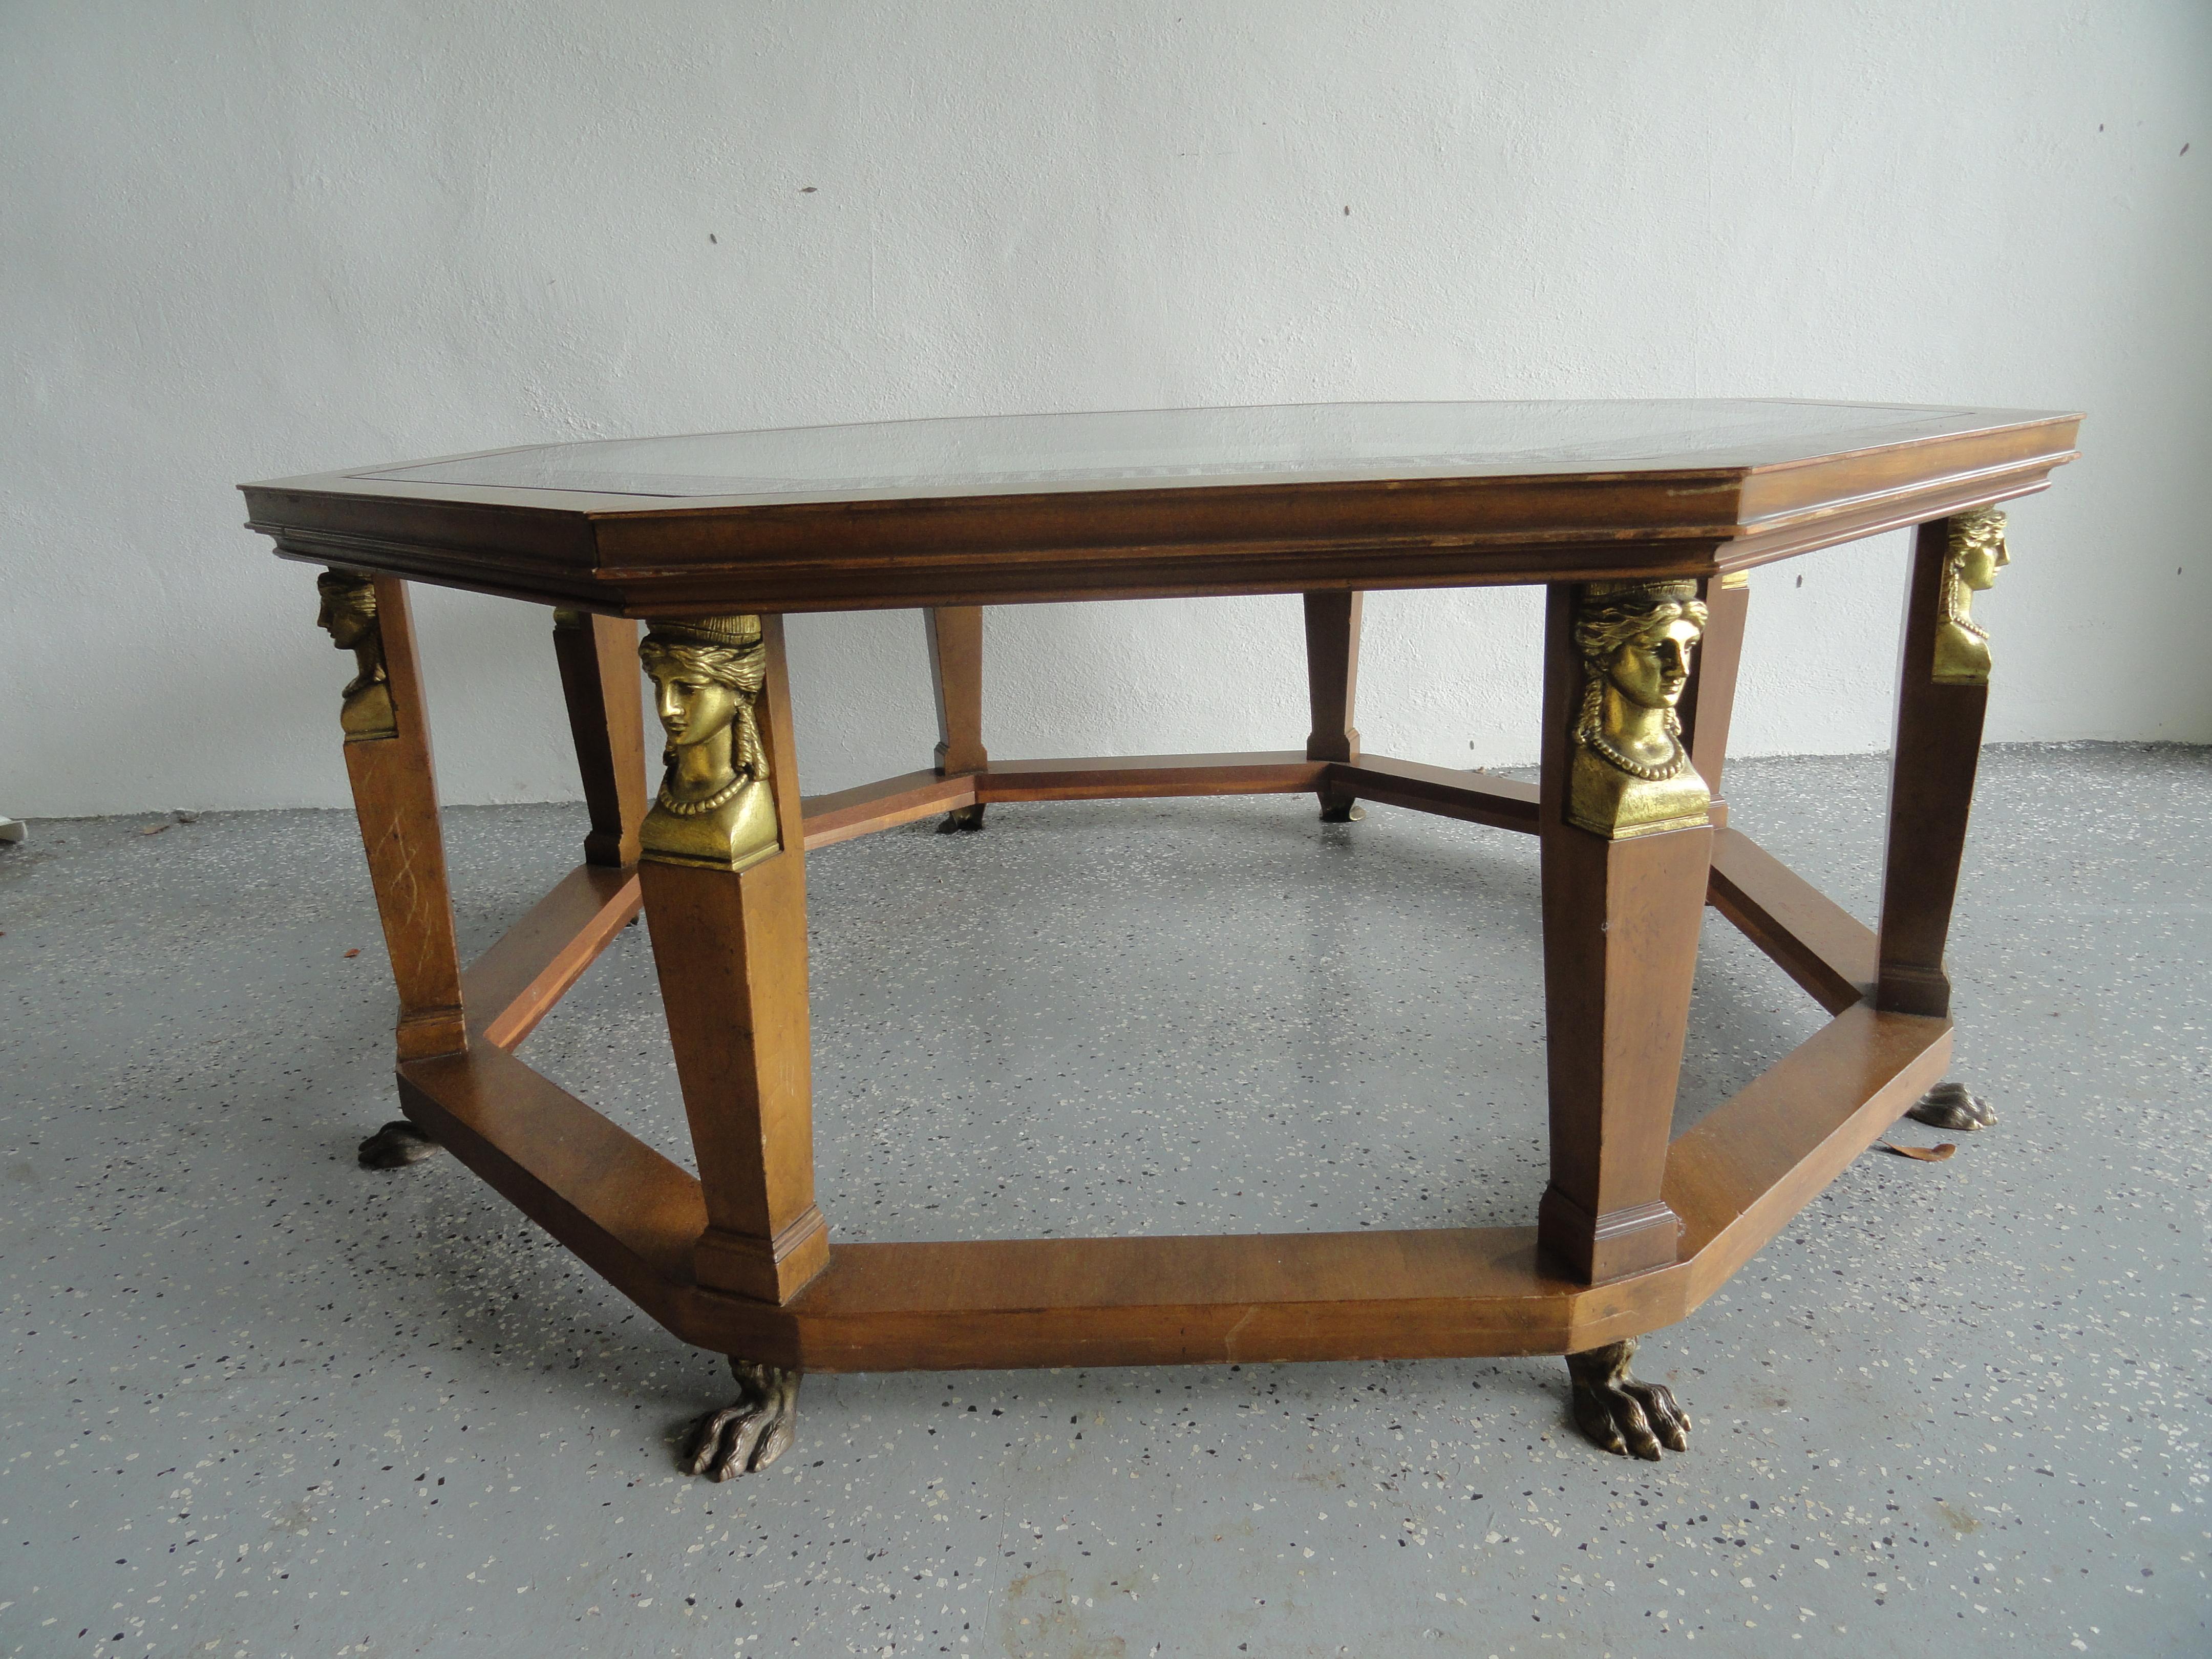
x=1142, y=777
x=1473, y=797
x=730, y=950
x=1130, y=538
x=1333, y=674
x=599, y=681
x=633, y=1215
x=395, y=799
x=955, y=673
x=1708, y=704
x=1827, y=950
x=1620, y=950
x=1933, y=759
x=516, y=983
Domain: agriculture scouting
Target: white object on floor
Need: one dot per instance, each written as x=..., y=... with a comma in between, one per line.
x=13, y=830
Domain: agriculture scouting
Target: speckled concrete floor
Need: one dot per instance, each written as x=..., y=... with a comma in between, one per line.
x=260, y=1402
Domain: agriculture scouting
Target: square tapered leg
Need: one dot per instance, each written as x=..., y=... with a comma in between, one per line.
x=1627, y=852
x=724, y=875
x=956, y=676
x=1332, y=689
x=1942, y=693
x=387, y=751
x=599, y=683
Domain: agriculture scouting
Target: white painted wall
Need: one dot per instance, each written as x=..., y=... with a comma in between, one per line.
x=246, y=241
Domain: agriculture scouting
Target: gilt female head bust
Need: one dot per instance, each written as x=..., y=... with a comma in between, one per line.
x=349, y=614
x=1973, y=553
x=717, y=803
x=1630, y=774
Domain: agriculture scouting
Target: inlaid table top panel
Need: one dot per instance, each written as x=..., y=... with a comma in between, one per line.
x=1124, y=504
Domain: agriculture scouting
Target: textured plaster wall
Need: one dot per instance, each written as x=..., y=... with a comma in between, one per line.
x=246, y=241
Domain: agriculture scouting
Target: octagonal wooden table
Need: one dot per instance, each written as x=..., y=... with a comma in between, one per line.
x=1632, y=1233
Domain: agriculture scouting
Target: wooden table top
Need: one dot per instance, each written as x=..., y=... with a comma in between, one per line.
x=1009, y=509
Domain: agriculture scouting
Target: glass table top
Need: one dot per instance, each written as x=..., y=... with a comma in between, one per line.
x=1150, y=448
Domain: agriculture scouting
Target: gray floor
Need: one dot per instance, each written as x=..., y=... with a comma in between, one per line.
x=260, y=1402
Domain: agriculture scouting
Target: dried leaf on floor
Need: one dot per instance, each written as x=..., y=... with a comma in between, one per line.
x=1934, y=1154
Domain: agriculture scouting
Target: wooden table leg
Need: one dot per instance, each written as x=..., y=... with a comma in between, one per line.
x=1942, y=694
x=1331, y=685
x=955, y=673
x=1621, y=913
x=600, y=679
x=1709, y=701
x=729, y=941
x=387, y=753
x=395, y=796
x=1627, y=839
x=1937, y=747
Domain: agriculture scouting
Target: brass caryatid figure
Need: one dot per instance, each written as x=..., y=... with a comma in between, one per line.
x=1971, y=562
x=1631, y=774
x=717, y=803
x=349, y=613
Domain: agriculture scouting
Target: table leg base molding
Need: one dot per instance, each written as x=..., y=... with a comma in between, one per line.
x=439, y=1031
x=961, y=819
x=1618, y=1245
x=752, y=1433
x=1949, y=1106
x=766, y=1269
x=1914, y=990
x=394, y=1146
x=1620, y=1414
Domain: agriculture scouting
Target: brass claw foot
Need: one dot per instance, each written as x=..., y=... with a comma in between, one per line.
x=1616, y=1412
x=753, y=1433
x=396, y=1145
x=1948, y=1106
x=965, y=818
